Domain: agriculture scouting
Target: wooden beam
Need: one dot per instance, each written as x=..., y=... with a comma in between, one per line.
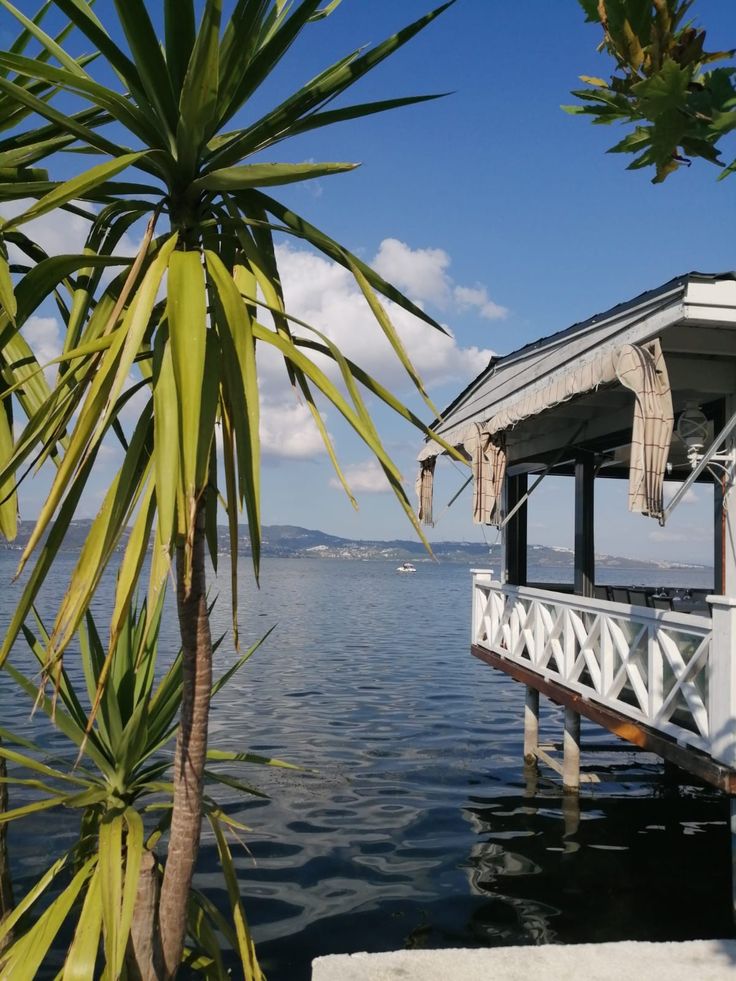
x=584, y=526
x=693, y=761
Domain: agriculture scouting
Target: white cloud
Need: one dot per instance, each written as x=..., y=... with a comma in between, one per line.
x=469, y=297
x=289, y=431
x=44, y=337
x=364, y=478
x=422, y=273
x=325, y=295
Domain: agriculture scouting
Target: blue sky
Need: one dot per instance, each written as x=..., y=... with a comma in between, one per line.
x=498, y=212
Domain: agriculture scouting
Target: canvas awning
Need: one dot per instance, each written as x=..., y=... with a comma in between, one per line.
x=425, y=490
x=488, y=463
x=640, y=368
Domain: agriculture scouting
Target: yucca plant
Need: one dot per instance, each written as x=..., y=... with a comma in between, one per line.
x=116, y=777
x=208, y=177
x=20, y=152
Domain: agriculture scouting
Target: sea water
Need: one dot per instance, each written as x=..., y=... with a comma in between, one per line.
x=412, y=821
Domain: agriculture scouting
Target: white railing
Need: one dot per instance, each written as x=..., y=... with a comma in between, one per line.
x=673, y=672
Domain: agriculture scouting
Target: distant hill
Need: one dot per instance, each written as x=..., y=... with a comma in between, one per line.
x=292, y=541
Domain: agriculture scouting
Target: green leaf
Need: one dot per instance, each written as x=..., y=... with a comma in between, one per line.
x=21, y=908
x=239, y=365
x=134, y=327
x=246, y=947
x=666, y=91
x=122, y=109
x=389, y=330
x=224, y=756
x=187, y=311
x=267, y=175
x=149, y=60
x=269, y=54
x=45, y=560
x=48, y=42
x=7, y=297
x=132, y=562
x=317, y=120
x=234, y=668
x=80, y=14
x=8, y=494
x=198, y=101
x=119, y=501
x=133, y=855
x=111, y=888
x=75, y=188
x=330, y=83
x=81, y=959
x=166, y=441
x=180, y=29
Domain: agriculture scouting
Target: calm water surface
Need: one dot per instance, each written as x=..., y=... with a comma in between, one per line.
x=412, y=823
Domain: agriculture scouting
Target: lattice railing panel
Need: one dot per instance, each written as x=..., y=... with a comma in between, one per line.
x=650, y=665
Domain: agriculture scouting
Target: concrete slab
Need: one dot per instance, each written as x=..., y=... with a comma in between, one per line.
x=696, y=960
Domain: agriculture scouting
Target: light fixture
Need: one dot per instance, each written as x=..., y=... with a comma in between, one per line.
x=692, y=428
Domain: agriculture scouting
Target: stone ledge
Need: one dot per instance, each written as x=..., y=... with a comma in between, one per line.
x=704, y=960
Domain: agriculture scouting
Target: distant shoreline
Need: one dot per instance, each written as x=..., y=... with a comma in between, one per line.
x=295, y=542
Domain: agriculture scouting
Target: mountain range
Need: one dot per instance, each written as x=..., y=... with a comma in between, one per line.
x=292, y=541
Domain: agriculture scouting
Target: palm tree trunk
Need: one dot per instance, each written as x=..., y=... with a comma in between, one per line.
x=6, y=883
x=191, y=751
x=143, y=961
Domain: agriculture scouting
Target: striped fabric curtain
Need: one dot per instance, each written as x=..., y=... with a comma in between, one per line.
x=488, y=462
x=425, y=489
x=642, y=368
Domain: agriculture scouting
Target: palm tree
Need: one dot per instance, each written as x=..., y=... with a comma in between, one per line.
x=193, y=353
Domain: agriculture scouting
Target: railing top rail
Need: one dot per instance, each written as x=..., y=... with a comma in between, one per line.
x=691, y=623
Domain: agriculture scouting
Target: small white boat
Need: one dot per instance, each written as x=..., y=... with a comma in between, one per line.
x=406, y=567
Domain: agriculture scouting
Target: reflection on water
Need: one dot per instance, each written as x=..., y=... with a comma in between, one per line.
x=413, y=822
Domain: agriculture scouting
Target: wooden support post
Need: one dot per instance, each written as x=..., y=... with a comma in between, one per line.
x=584, y=525
x=571, y=752
x=531, y=725
x=516, y=531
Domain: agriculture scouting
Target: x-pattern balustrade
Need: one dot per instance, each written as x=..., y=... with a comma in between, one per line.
x=650, y=665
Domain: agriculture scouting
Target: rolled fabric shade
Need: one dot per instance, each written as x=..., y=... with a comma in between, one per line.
x=488, y=463
x=642, y=368
x=425, y=489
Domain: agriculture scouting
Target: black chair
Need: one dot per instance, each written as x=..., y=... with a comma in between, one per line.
x=638, y=597
x=660, y=601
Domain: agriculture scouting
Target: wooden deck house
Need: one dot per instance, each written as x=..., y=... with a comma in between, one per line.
x=631, y=393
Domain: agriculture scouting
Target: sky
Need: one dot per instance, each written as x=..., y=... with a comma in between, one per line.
x=498, y=213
